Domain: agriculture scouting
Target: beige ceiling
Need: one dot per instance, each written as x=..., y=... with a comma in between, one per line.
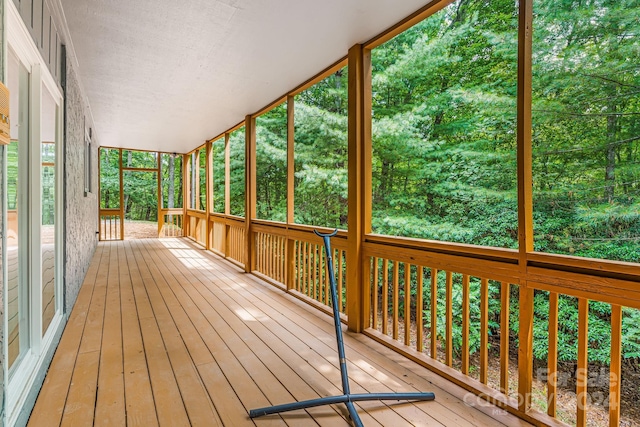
x=168, y=74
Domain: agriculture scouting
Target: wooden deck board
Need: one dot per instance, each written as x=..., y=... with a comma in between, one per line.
x=164, y=333
x=49, y=411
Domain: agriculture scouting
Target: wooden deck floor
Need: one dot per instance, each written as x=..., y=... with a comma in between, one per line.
x=164, y=333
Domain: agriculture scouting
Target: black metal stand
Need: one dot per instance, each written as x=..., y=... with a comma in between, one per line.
x=347, y=398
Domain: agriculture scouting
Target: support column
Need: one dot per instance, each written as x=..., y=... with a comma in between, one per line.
x=250, y=193
x=359, y=220
x=227, y=192
x=290, y=254
x=186, y=194
x=525, y=204
x=209, y=189
x=160, y=201
x=122, y=207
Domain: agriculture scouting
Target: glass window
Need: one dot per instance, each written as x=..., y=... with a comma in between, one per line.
x=109, y=178
x=586, y=144
x=202, y=179
x=193, y=180
x=140, y=159
x=17, y=202
x=444, y=127
x=271, y=164
x=171, y=181
x=218, y=154
x=321, y=150
x=49, y=244
x=237, y=171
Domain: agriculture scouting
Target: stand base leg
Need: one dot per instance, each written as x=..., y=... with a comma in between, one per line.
x=348, y=399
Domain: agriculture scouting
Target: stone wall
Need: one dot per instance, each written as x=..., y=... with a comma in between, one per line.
x=81, y=209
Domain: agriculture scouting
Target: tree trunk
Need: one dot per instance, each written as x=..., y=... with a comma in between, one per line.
x=171, y=191
x=126, y=195
x=610, y=176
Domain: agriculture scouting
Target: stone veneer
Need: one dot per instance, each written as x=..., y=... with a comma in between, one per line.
x=81, y=211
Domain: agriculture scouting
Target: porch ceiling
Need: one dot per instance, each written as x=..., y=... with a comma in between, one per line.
x=167, y=75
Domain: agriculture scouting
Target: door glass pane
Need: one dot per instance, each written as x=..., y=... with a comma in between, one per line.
x=17, y=314
x=48, y=197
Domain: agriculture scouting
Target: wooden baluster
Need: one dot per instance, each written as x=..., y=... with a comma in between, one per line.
x=484, y=329
x=504, y=337
x=448, y=359
x=419, y=309
x=340, y=279
x=260, y=264
x=376, y=281
x=385, y=296
x=295, y=276
x=581, y=373
x=552, y=363
x=314, y=267
x=615, y=370
x=301, y=266
x=326, y=281
x=407, y=304
x=396, y=302
x=268, y=254
x=275, y=248
x=434, y=313
x=465, y=325
x=281, y=261
x=275, y=256
x=259, y=253
x=308, y=272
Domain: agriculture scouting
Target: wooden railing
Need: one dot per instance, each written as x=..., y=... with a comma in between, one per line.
x=110, y=227
x=170, y=223
x=227, y=237
x=426, y=307
x=197, y=226
x=270, y=256
x=294, y=258
x=465, y=312
x=455, y=309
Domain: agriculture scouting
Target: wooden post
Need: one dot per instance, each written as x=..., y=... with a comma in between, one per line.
x=122, y=207
x=359, y=191
x=159, y=179
x=209, y=194
x=227, y=193
x=100, y=224
x=186, y=195
x=290, y=248
x=250, y=193
x=525, y=203
x=195, y=175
